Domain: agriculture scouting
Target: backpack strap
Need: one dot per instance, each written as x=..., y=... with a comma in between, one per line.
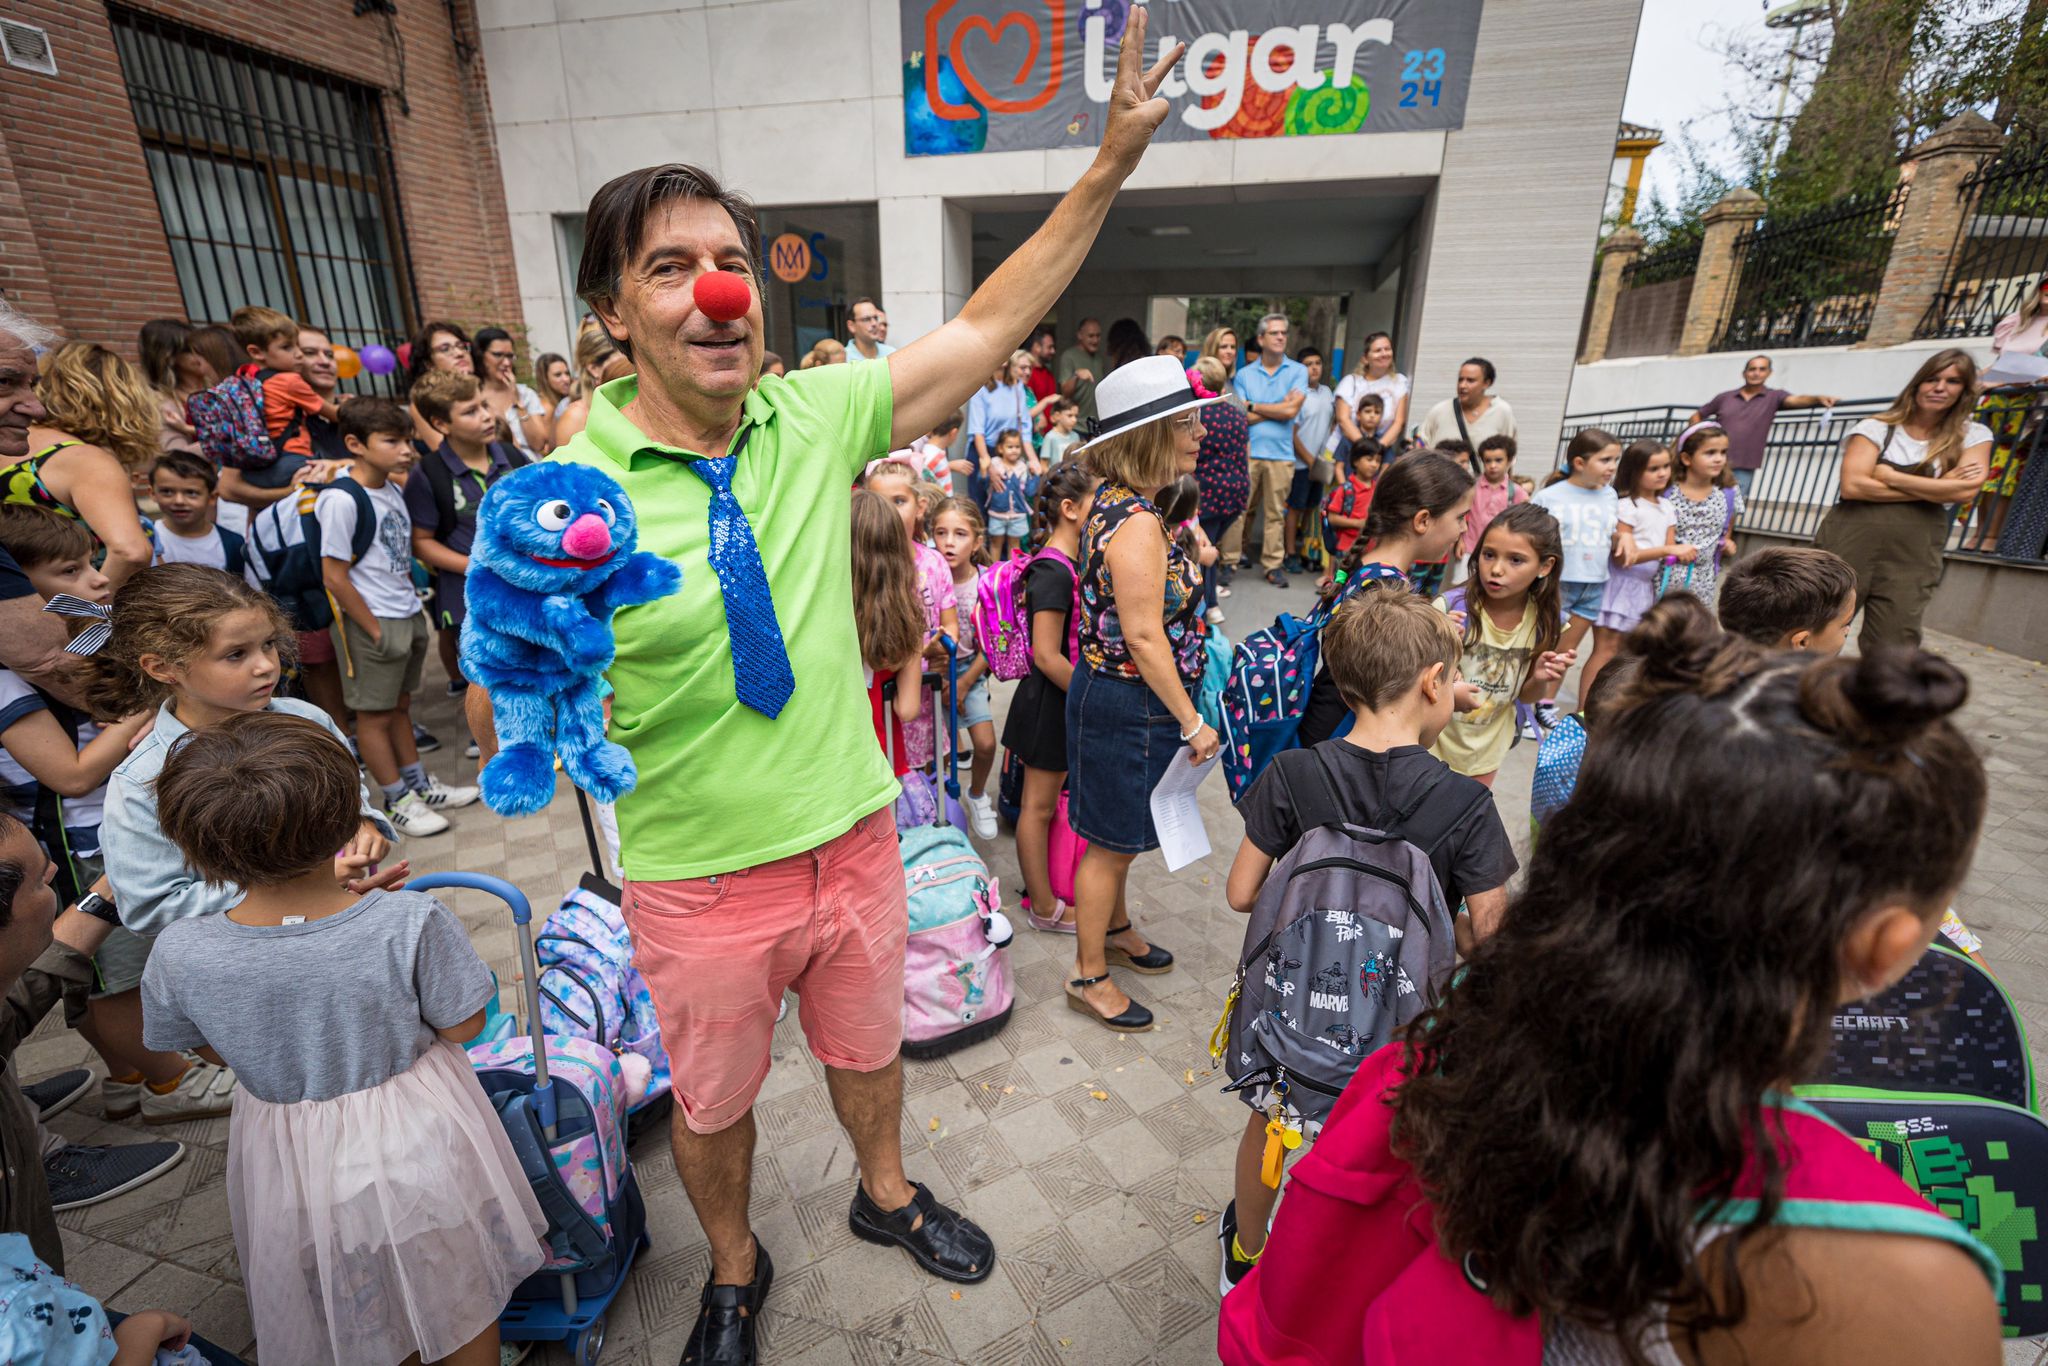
x=366, y=519
x=234, y=549
x=1433, y=815
x=442, y=483
x=1323, y=804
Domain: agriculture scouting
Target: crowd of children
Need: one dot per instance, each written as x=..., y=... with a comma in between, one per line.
x=377, y=1205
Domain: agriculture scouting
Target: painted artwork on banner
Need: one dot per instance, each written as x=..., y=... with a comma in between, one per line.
x=1019, y=75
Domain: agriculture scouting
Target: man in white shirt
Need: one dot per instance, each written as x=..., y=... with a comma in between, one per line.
x=864, y=331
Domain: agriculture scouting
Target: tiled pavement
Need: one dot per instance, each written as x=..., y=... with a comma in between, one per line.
x=1099, y=1162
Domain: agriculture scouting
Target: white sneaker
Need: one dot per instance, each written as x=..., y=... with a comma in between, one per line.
x=120, y=1099
x=206, y=1091
x=442, y=797
x=981, y=814
x=410, y=815
x=1214, y=616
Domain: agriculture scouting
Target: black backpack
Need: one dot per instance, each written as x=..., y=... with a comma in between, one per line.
x=286, y=562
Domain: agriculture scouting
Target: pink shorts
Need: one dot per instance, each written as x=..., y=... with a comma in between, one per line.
x=718, y=952
x=316, y=647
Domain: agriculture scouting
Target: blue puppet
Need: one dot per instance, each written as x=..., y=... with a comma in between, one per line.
x=553, y=559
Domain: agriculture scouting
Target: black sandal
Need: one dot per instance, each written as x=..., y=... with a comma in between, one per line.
x=1153, y=960
x=1135, y=1019
x=947, y=1244
x=724, y=1336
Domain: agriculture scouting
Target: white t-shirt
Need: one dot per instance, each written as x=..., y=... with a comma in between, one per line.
x=1392, y=387
x=1649, y=521
x=209, y=550
x=384, y=575
x=18, y=787
x=1585, y=518
x=854, y=357
x=1907, y=450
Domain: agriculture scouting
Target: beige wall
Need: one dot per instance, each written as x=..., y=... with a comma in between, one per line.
x=1517, y=208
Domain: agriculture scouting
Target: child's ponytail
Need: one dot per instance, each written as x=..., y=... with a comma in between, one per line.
x=1069, y=481
x=1178, y=504
x=168, y=610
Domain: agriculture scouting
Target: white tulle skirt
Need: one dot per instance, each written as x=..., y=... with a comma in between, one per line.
x=379, y=1223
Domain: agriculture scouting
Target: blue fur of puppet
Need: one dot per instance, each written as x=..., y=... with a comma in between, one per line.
x=538, y=637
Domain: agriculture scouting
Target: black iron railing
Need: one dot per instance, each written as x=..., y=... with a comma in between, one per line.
x=2001, y=246
x=1673, y=262
x=1810, y=279
x=1802, y=469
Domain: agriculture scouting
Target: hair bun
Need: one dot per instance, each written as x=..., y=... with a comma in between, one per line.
x=1898, y=692
x=1676, y=640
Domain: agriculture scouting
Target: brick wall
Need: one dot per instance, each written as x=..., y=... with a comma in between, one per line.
x=91, y=256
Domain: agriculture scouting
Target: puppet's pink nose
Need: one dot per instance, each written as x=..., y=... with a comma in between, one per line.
x=588, y=538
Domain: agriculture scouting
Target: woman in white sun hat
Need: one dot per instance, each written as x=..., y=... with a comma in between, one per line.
x=1130, y=707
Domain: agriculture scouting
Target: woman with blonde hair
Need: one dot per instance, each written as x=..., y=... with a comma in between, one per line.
x=1221, y=345
x=176, y=370
x=1900, y=472
x=101, y=431
x=1130, y=704
x=598, y=361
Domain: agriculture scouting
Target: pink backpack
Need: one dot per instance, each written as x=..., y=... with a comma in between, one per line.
x=1004, y=621
x=1402, y=1303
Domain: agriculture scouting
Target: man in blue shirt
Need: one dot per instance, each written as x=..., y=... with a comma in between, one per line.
x=1273, y=388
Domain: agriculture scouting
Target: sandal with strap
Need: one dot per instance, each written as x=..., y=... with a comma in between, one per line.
x=1152, y=961
x=1134, y=1019
x=943, y=1241
x=724, y=1336
x=1051, y=924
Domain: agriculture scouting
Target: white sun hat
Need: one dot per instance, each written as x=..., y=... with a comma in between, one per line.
x=1137, y=392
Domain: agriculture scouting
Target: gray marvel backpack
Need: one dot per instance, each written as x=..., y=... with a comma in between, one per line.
x=1350, y=939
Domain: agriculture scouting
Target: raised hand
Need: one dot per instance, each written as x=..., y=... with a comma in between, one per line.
x=1135, y=107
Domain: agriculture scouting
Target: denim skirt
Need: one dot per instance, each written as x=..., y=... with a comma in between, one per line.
x=1120, y=738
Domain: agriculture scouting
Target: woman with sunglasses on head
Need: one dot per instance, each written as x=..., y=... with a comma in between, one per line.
x=1130, y=704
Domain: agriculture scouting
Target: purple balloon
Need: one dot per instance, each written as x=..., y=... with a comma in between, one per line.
x=378, y=360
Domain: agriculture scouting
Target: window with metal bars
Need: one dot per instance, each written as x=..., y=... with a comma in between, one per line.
x=274, y=181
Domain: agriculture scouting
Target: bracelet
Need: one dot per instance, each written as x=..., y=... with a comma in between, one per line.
x=1199, y=723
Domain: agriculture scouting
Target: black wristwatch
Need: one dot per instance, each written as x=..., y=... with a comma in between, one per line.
x=97, y=906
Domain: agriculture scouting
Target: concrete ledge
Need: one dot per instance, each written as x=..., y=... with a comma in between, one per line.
x=1999, y=603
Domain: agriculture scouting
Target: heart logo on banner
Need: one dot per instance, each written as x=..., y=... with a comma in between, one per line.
x=994, y=31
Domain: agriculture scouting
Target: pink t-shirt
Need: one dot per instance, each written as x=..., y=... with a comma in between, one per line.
x=1489, y=500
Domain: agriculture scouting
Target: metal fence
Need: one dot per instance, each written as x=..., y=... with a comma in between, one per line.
x=2001, y=246
x=1810, y=279
x=1676, y=261
x=1802, y=469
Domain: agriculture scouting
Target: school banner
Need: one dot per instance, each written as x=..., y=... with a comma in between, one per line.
x=1018, y=75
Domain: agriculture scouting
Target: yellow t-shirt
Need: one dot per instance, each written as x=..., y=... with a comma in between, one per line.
x=1497, y=663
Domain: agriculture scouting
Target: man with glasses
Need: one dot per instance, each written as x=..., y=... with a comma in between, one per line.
x=864, y=330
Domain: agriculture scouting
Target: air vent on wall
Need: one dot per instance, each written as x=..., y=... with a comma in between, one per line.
x=27, y=47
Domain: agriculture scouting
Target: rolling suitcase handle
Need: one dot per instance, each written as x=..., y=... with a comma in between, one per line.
x=952, y=715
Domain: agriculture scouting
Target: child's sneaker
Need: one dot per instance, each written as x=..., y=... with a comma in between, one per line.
x=120, y=1099
x=424, y=740
x=442, y=797
x=981, y=814
x=1214, y=616
x=1546, y=717
x=472, y=751
x=410, y=815
x=1235, y=1268
x=206, y=1091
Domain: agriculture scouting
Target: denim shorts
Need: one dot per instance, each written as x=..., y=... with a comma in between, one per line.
x=1016, y=526
x=974, y=704
x=1582, y=599
x=1120, y=738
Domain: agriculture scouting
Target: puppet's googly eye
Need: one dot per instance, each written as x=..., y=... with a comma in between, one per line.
x=552, y=516
x=604, y=510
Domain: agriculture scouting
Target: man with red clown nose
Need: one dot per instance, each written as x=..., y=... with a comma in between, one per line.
x=759, y=847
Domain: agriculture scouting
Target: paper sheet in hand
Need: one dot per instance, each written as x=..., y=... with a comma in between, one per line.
x=2016, y=369
x=1177, y=814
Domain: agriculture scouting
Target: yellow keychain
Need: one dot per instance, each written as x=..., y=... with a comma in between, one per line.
x=1277, y=1135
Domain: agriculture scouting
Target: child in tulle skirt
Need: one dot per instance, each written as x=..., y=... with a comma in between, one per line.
x=377, y=1205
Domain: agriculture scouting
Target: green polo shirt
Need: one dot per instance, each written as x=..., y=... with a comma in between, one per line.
x=721, y=786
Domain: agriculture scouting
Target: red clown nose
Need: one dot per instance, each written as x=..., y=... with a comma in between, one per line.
x=723, y=296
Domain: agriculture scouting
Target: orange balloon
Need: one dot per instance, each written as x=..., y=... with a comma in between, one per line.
x=347, y=363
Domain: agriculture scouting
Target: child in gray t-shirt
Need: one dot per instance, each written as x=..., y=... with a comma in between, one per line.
x=378, y=1208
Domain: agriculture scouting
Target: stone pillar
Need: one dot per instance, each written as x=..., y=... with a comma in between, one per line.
x=1713, y=286
x=1617, y=253
x=1933, y=212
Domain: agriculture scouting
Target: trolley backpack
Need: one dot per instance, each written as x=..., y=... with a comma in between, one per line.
x=589, y=988
x=956, y=978
x=284, y=551
x=228, y=419
x=1349, y=940
x=1946, y=1027
x=1402, y=1302
x=1003, y=617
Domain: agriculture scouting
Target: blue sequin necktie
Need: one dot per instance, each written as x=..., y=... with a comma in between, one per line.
x=761, y=675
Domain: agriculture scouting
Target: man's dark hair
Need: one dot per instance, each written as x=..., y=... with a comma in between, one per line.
x=1039, y=333
x=616, y=221
x=1775, y=592
x=863, y=299
x=186, y=465
x=1307, y=351
x=368, y=415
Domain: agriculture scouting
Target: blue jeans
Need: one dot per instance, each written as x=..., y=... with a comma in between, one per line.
x=1742, y=481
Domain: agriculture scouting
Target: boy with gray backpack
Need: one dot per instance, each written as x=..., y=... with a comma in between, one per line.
x=1357, y=855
